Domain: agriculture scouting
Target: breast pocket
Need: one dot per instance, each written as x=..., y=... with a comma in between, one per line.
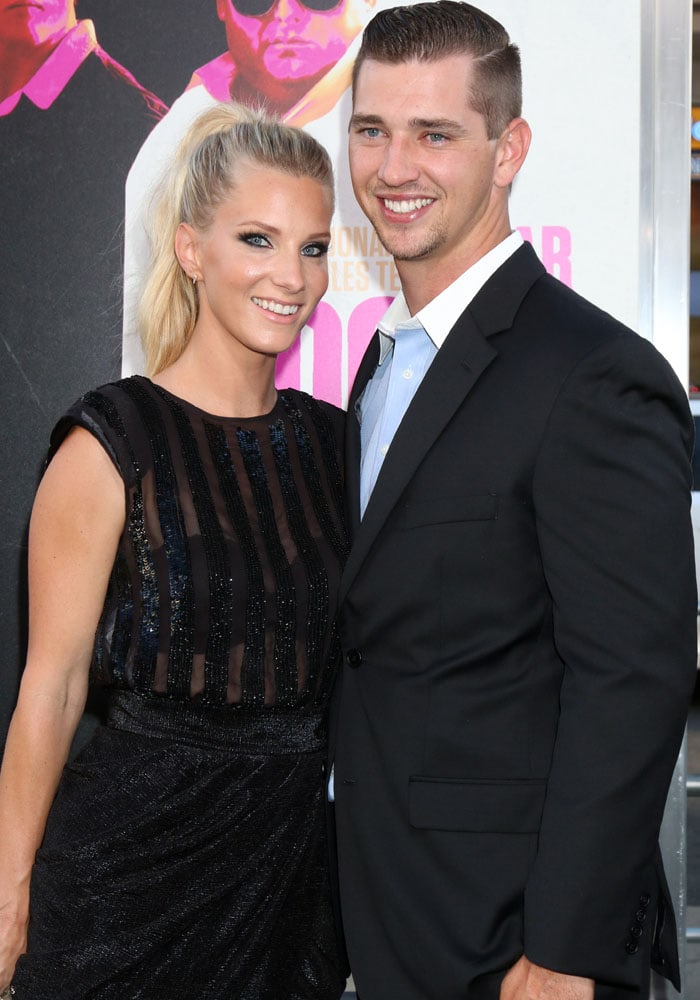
x=448, y=510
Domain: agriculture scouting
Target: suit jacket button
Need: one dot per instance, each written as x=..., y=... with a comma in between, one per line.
x=645, y=899
x=631, y=947
x=354, y=658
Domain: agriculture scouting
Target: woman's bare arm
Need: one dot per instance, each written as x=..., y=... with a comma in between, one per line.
x=76, y=522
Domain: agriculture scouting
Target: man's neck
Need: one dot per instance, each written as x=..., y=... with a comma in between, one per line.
x=424, y=279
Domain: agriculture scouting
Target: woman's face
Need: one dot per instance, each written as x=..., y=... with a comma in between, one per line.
x=262, y=263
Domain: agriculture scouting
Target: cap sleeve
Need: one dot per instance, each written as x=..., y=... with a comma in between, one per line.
x=98, y=413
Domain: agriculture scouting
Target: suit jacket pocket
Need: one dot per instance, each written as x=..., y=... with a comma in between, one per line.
x=447, y=510
x=476, y=806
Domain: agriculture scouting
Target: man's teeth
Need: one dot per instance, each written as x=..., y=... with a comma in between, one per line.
x=276, y=307
x=407, y=206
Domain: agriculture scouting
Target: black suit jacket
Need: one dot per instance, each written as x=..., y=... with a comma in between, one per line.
x=518, y=625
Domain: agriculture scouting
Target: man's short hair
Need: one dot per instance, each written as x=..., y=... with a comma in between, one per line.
x=430, y=31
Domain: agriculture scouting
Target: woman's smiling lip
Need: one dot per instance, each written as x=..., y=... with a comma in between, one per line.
x=278, y=308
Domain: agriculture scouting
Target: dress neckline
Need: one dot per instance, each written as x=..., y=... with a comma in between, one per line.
x=186, y=404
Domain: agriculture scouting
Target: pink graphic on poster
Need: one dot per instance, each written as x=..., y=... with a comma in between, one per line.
x=42, y=47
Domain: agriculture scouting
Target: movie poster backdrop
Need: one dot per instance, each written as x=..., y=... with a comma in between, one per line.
x=88, y=122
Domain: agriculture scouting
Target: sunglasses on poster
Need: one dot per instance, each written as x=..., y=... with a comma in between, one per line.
x=258, y=8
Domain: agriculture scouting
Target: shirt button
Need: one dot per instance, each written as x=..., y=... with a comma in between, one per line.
x=407, y=373
x=384, y=449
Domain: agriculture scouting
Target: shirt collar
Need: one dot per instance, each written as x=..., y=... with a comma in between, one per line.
x=55, y=72
x=216, y=77
x=441, y=314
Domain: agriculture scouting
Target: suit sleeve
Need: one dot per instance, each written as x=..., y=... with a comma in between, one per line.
x=612, y=500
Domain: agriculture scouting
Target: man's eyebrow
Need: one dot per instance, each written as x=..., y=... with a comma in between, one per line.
x=438, y=125
x=360, y=118
x=366, y=120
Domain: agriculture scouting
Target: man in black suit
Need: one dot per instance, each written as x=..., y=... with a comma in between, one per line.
x=519, y=601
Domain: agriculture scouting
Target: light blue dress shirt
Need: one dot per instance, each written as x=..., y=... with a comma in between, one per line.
x=387, y=397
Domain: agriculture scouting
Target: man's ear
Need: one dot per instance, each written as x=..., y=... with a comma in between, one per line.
x=512, y=150
x=187, y=250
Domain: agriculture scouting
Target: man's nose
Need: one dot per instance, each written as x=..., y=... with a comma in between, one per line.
x=399, y=164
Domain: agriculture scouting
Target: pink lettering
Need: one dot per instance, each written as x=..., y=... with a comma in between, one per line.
x=328, y=336
x=554, y=250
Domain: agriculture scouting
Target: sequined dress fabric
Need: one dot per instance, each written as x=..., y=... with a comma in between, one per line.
x=185, y=854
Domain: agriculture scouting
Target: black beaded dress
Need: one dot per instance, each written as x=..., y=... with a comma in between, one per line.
x=186, y=854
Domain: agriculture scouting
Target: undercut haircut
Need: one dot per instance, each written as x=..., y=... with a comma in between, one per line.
x=426, y=32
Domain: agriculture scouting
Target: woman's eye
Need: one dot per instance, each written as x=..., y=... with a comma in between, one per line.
x=314, y=250
x=255, y=239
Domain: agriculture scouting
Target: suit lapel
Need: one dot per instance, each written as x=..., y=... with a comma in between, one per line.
x=456, y=368
x=352, y=436
x=458, y=365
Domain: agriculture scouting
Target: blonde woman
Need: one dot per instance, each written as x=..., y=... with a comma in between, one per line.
x=186, y=545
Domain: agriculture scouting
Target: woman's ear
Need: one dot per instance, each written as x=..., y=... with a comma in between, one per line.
x=187, y=250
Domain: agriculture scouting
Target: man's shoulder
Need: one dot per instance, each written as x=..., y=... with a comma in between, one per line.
x=542, y=301
x=548, y=326
x=576, y=332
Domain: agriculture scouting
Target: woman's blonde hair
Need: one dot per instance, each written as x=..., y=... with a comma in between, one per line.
x=202, y=176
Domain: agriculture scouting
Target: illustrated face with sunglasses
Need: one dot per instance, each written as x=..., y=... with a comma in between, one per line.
x=280, y=48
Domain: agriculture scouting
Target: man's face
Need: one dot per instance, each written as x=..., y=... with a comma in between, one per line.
x=37, y=23
x=423, y=169
x=289, y=43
